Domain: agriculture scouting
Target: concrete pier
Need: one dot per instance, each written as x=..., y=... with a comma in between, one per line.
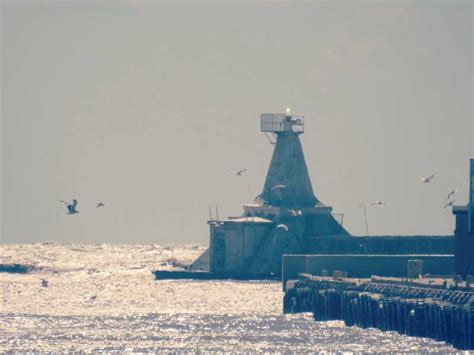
x=358, y=265
x=411, y=308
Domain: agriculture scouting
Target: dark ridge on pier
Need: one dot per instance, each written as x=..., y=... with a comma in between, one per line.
x=16, y=268
x=198, y=275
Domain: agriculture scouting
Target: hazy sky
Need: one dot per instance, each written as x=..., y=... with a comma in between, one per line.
x=148, y=105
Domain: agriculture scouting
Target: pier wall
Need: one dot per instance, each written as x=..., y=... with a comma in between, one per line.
x=383, y=244
x=363, y=265
x=431, y=312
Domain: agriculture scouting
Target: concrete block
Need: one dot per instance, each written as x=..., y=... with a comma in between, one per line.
x=364, y=265
x=414, y=268
x=339, y=274
x=292, y=265
x=469, y=281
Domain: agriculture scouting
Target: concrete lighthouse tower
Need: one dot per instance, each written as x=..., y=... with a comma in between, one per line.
x=287, y=183
x=287, y=190
x=281, y=220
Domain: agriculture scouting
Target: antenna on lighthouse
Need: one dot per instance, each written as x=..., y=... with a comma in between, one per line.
x=276, y=123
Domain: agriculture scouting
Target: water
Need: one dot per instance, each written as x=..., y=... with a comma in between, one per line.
x=104, y=298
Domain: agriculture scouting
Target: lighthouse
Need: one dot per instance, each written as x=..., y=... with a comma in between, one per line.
x=287, y=218
x=287, y=191
x=284, y=216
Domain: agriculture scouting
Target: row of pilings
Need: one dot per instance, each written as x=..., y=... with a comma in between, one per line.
x=446, y=316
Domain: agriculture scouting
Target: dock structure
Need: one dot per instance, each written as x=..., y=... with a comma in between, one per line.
x=366, y=265
x=464, y=231
x=416, y=303
x=435, y=309
x=288, y=218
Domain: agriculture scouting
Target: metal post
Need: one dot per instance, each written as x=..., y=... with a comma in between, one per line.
x=365, y=216
x=210, y=214
x=471, y=197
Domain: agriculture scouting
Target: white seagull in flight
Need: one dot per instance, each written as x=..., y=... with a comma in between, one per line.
x=277, y=187
x=450, y=203
x=426, y=179
x=378, y=203
x=100, y=204
x=451, y=194
x=283, y=226
x=71, y=206
x=238, y=172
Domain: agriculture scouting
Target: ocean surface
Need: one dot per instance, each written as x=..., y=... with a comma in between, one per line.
x=103, y=297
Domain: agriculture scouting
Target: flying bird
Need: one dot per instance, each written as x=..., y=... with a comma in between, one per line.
x=426, y=179
x=278, y=187
x=238, y=172
x=283, y=226
x=260, y=199
x=449, y=204
x=378, y=203
x=71, y=206
x=451, y=194
x=100, y=204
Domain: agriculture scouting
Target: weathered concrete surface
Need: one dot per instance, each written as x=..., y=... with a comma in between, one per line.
x=201, y=263
x=187, y=275
x=415, y=310
x=363, y=265
x=236, y=243
x=464, y=232
x=381, y=244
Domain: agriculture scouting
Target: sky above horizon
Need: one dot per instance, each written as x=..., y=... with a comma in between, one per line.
x=148, y=106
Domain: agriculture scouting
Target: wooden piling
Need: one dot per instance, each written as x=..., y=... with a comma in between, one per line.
x=440, y=314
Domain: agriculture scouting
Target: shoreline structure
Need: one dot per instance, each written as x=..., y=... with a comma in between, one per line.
x=287, y=231
x=288, y=218
x=416, y=308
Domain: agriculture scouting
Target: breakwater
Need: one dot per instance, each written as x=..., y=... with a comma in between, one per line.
x=15, y=268
x=199, y=275
x=411, y=309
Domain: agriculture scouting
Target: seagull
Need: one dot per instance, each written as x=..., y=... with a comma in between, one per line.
x=450, y=203
x=283, y=226
x=451, y=194
x=71, y=207
x=238, y=172
x=427, y=179
x=260, y=199
x=277, y=187
x=100, y=204
x=378, y=203
x=295, y=212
